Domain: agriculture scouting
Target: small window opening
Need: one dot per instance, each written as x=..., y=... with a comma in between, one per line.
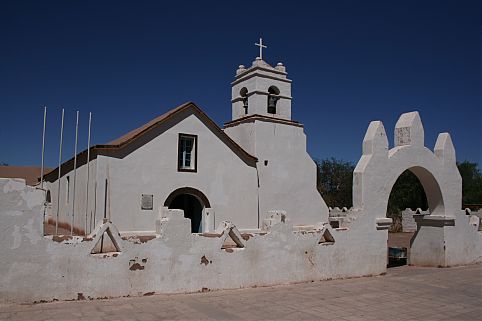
x=68, y=189
x=187, y=152
x=273, y=97
x=335, y=224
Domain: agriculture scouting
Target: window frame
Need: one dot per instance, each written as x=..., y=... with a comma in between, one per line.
x=193, y=169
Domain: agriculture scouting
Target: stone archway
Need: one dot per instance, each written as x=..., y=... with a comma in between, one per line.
x=379, y=168
x=192, y=202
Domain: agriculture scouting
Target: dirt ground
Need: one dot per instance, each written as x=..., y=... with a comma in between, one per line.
x=49, y=229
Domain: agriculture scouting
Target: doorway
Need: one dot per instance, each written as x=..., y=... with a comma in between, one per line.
x=192, y=202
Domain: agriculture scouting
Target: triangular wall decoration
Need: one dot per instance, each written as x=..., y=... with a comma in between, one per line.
x=106, y=238
x=326, y=238
x=230, y=236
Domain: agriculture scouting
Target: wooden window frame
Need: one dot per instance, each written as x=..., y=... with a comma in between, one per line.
x=179, y=168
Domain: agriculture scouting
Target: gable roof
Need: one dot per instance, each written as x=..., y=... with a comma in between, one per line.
x=159, y=119
x=138, y=133
x=31, y=174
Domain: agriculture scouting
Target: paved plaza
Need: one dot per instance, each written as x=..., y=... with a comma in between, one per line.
x=404, y=293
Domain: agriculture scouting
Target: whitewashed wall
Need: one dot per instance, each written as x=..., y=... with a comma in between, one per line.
x=288, y=180
x=444, y=237
x=222, y=176
x=38, y=268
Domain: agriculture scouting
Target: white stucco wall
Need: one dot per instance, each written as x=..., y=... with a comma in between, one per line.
x=37, y=268
x=379, y=168
x=288, y=181
x=222, y=176
x=66, y=206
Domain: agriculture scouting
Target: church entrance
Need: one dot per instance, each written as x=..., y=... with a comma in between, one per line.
x=192, y=202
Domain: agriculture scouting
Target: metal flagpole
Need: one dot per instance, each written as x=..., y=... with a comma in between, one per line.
x=75, y=173
x=43, y=150
x=88, y=174
x=58, y=188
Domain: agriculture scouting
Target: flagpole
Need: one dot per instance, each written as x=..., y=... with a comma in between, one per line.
x=58, y=188
x=43, y=150
x=75, y=172
x=88, y=174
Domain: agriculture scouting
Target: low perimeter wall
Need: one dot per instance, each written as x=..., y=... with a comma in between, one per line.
x=36, y=268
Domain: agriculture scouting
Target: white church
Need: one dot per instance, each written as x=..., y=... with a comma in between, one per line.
x=255, y=164
x=234, y=184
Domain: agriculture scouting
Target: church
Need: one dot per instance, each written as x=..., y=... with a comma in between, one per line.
x=183, y=205
x=183, y=160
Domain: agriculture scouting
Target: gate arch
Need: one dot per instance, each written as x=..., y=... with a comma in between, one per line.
x=190, y=191
x=379, y=168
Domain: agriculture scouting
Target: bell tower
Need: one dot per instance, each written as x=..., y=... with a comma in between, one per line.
x=261, y=124
x=261, y=90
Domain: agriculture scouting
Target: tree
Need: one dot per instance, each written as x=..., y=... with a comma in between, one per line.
x=407, y=192
x=335, y=184
x=335, y=181
x=471, y=182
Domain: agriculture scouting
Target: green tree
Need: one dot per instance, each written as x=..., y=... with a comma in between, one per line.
x=407, y=192
x=471, y=182
x=335, y=181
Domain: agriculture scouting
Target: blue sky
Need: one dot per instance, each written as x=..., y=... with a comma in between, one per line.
x=129, y=61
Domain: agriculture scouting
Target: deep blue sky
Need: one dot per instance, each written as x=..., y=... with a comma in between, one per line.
x=128, y=61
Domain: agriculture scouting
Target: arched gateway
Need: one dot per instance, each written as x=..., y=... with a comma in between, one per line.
x=192, y=202
x=379, y=168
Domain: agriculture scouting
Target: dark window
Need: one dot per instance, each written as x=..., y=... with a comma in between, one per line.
x=273, y=97
x=244, y=94
x=187, y=150
x=67, y=195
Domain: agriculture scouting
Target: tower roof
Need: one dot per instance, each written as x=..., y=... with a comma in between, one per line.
x=259, y=65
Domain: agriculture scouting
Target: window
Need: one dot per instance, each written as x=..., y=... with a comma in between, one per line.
x=273, y=97
x=68, y=189
x=187, y=150
x=244, y=94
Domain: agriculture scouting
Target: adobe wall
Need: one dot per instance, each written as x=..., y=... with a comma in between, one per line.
x=287, y=173
x=37, y=268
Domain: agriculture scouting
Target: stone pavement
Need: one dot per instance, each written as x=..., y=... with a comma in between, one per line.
x=405, y=293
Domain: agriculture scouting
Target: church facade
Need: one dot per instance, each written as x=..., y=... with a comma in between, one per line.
x=182, y=160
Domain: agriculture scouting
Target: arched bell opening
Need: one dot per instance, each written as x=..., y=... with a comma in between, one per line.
x=273, y=97
x=244, y=95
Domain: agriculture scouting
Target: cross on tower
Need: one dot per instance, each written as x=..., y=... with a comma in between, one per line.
x=261, y=46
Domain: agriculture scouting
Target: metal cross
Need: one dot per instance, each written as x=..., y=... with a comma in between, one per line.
x=261, y=46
